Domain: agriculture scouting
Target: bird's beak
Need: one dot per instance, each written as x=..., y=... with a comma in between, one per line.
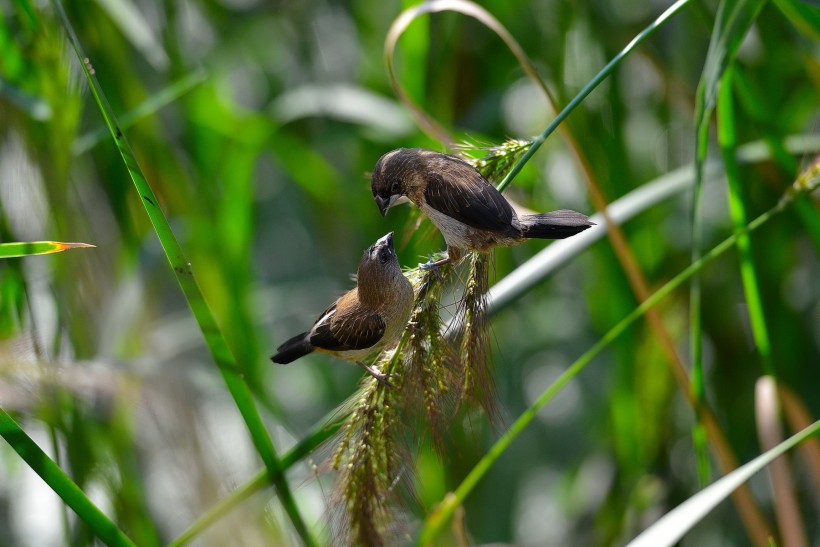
x=384, y=204
x=386, y=240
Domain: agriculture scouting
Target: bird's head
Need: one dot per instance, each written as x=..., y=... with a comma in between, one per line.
x=378, y=269
x=393, y=172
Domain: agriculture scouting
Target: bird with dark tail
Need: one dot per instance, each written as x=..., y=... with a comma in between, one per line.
x=470, y=213
x=364, y=319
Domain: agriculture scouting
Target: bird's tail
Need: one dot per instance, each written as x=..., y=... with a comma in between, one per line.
x=296, y=347
x=555, y=225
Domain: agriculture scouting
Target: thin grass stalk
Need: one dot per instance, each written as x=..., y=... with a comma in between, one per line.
x=589, y=88
x=237, y=497
x=218, y=347
x=324, y=430
x=61, y=484
x=442, y=514
x=695, y=327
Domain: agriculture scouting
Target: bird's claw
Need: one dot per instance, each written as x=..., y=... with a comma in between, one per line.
x=434, y=265
x=377, y=374
x=430, y=264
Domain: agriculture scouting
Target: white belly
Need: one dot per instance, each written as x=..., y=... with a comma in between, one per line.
x=456, y=234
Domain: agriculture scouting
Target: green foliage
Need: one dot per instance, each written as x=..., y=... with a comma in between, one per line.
x=249, y=129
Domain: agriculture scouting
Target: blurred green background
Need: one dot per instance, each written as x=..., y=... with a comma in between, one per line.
x=275, y=113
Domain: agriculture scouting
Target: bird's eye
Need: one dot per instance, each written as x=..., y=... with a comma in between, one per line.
x=384, y=255
x=394, y=187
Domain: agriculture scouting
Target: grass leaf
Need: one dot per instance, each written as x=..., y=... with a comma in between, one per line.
x=214, y=339
x=30, y=248
x=670, y=528
x=60, y=483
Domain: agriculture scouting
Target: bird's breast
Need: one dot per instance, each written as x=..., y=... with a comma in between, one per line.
x=461, y=236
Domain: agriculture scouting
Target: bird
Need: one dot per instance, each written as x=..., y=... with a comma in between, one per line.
x=469, y=212
x=365, y=318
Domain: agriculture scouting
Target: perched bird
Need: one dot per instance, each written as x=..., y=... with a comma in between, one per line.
x=364, y=319
x=468, y=210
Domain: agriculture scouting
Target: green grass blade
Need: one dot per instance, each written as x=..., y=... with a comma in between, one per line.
x=670, y=528
x=214, y=339
x=595, y=82
x=438, y=518
x=30, y=248
x=60, y=483
x=732, y=22
x=727, y=138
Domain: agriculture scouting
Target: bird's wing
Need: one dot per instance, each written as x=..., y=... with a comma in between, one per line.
x=356, y=330
x=463, y=194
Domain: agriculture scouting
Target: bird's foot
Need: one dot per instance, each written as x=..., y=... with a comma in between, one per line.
x=377, y=374
x=431, y=264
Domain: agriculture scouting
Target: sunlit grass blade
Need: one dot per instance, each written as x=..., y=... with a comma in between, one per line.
x=727, y=139
x=437, y=519
x=60, y=483
x=671, y=527
x=30, y=248
x=214, y=339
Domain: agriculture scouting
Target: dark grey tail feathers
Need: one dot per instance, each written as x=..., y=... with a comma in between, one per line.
x=555, y=224
x=296, y=347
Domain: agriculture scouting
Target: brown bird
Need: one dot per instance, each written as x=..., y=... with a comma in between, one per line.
x=364, y=319
x=468, y=210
